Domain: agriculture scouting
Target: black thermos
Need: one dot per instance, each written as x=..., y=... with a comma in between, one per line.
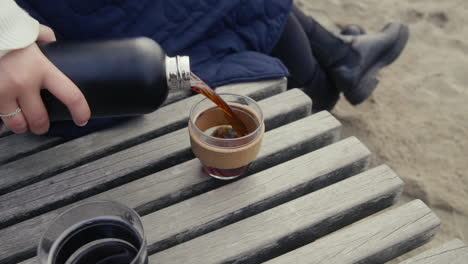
x=118, y=77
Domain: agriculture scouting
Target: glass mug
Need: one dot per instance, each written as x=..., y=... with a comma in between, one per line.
x=101, y=232
x=226, y=158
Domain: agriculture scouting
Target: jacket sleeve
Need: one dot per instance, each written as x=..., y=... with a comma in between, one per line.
x=17, y=29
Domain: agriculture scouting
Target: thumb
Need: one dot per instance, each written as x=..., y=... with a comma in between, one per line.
x=46, y=34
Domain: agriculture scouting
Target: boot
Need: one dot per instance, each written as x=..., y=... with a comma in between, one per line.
x=357, y=80
x=353, y=61
x=353, y=30
x=328, y=94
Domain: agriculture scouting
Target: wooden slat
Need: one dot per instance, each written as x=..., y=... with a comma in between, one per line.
x=290, y=225
x=30, y=261
x=129, y=164
x=185, y=180
x=375, y=239
x=4, y=131
x=46, y=163
x=254, y=194
x=452, y=252
x=18, y=146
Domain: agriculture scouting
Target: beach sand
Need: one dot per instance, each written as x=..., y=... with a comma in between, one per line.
x=417, y=119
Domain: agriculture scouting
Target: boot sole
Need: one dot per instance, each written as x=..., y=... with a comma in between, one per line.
x=369, y=82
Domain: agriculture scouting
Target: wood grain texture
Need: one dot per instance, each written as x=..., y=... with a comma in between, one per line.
x=376, y=239
x=19, y=146
x=30, y=261
x=71, y=154
x=257, y=193
x=186, y=180
x=452, y=252
x=254, y=194
x=15, y=147
x=4, y=131
x=290, y=225
x=124, y=166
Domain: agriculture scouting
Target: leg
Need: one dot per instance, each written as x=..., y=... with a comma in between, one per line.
x=352, y=63
x=293, y=49
x=328, y=48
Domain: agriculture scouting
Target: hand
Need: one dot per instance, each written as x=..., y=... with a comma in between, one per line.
x=23, y=73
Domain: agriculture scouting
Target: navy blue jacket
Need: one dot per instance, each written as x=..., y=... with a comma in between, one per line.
x=227, y=40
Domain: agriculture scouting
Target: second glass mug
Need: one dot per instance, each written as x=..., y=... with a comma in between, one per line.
x=226, y=158
x=103, y=232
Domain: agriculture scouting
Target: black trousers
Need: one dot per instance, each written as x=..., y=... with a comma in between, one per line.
x=307, y=49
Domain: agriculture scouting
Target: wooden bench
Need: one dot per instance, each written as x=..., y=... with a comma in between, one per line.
x=452, y=252
x=308, y=198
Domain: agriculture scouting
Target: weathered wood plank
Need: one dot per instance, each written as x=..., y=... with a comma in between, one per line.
x=127, y=165
x=452, y=252
x=4, y=131
x=17, y=146
x=42, y=165
x=291, y=225
x=254, y=194
x=185, y=180
x=257, y=193
x=30, y=261
x=376, y=239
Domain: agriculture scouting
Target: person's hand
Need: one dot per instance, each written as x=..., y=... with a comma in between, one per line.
x=23, y=73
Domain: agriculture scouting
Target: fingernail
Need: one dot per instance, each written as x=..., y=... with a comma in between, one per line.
x=83, y=124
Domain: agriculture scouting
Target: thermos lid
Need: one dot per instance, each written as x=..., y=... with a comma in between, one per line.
x=178, y=72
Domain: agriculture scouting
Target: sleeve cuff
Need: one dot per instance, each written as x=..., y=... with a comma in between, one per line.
x=17, y=29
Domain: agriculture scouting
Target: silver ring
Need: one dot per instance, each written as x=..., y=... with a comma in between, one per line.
x=16, y=112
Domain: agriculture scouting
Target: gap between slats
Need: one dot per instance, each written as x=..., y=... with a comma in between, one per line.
x=291, y=225
x=91, y=147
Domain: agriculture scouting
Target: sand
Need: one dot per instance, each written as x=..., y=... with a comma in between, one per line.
x=417, y=119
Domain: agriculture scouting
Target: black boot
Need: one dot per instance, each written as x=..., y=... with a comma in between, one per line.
x=353, y=30
x=357, y=80
x=352, y=62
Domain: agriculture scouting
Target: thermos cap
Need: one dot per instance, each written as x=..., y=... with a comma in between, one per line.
x=178, y=72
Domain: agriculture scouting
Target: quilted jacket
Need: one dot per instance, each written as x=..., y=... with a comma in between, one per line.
x=227, y=40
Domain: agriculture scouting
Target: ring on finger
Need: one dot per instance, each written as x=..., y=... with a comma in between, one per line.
x=10, y=115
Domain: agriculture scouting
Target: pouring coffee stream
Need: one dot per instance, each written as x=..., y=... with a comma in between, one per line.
x=236, y=124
